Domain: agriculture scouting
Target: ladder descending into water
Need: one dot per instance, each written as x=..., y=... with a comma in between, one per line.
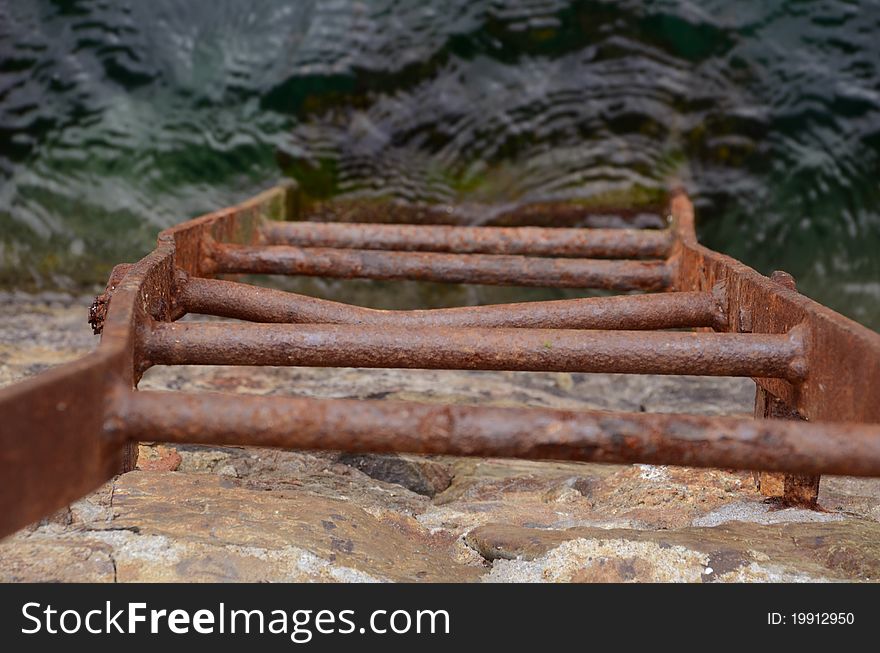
x=65, y=432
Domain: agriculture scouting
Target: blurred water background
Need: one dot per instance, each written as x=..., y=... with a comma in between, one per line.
x=121, y=117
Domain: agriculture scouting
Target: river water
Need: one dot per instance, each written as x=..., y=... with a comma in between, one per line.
x=120, y=118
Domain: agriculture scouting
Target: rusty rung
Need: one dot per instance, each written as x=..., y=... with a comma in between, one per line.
x=598, y=436
x=470, y=348
x=490, y=269
x=656, y=311
x=532, y=241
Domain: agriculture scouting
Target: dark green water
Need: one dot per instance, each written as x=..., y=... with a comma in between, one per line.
x=120, y=118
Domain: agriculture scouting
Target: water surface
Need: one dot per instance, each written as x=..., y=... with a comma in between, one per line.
x=120, y=118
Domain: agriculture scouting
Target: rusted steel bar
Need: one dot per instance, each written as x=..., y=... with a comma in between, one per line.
x=430, y=266
x=256, y=304
x=598, y=436
x=533, y=241
x=557, y=350
x=555, y=214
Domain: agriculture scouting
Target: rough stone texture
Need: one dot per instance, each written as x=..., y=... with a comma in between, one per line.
x=735, y=551
x=241, y=513
x=172, y=526
x=416, y=473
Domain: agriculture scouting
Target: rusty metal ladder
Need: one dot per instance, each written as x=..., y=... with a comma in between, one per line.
x=70, y=429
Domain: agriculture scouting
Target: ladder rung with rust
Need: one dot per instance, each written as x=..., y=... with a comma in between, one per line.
x=72, y=428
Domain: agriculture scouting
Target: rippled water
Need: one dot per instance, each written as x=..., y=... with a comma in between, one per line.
x=118, y=118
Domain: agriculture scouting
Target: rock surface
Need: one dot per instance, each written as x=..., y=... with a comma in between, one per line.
x=416, y=473
x=734, y=551
x=241, y=513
